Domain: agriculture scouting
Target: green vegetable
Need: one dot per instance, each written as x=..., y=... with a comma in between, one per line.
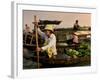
x=84, y=49
x=72, y=52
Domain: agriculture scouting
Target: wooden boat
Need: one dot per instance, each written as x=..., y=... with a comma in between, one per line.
x=59, y=61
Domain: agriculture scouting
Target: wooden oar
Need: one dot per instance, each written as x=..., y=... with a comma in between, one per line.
x=36, y=34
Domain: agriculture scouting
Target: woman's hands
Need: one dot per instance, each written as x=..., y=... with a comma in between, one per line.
x=39, y=49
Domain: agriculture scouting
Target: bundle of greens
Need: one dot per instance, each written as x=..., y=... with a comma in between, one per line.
x=73, y=53
x=84, y=49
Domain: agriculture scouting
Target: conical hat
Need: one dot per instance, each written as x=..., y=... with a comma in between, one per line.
x=49, y=27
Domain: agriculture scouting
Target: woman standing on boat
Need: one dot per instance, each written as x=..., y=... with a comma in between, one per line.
x=50, y=41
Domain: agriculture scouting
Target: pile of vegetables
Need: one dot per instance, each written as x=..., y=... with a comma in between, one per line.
x=73, y=53
x=82, y=50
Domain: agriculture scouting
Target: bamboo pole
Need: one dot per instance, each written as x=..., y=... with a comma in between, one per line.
x=31, y=39
x=25, y=35
x=36, y=34
x=25, y=38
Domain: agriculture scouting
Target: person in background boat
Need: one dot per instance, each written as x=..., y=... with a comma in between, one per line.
x=26, y=32
x=74, y=39
x=76, y=25
x=27, y=29
x=50, y=41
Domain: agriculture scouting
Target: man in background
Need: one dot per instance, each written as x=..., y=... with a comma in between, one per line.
x=76, y=25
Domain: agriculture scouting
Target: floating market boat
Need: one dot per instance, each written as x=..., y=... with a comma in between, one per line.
x=61, y=60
